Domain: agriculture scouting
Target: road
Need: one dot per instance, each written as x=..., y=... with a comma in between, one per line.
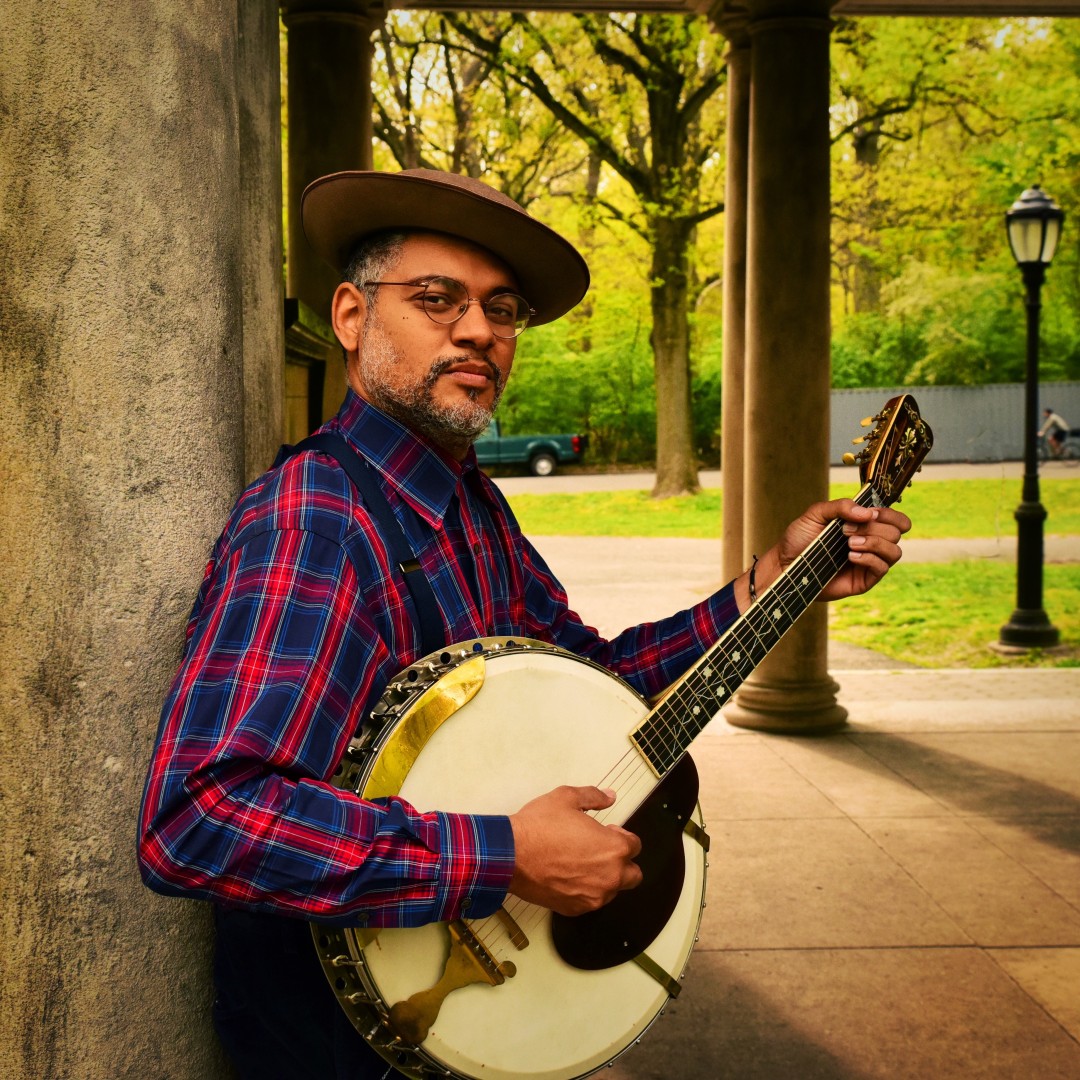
x=570, y=482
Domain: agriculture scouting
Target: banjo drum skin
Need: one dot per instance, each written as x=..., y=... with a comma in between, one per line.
x=484, y=728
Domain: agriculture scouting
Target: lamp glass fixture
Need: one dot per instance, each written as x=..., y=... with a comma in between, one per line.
x=1034, y=225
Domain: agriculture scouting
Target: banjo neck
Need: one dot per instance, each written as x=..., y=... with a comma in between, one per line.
x=696, y=697
x=893, y=452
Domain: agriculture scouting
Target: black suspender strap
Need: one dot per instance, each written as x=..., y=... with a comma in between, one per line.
x=432, y=635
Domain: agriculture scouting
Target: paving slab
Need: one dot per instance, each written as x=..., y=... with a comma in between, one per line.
x=986, y=699
x=867, y=1014
x=986, y=892
x=991, y=774
x=1051, y=977
x=814, y=884
x=743, y=778
x=1048, y=847
x=855, y=782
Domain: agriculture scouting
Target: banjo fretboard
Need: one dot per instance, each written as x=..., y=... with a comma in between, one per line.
x=694, y=700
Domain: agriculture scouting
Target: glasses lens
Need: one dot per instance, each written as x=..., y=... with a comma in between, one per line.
x=445, y=299
x=508, y=314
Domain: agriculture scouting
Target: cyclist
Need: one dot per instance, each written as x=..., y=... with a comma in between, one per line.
x=1056, y=431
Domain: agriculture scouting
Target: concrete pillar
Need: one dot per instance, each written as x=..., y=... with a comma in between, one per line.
x=787, y=336
x=330, y=129
x=261, y=243
x=733, y=427
x=122, y=221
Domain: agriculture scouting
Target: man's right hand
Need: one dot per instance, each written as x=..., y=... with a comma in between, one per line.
x=566, y=860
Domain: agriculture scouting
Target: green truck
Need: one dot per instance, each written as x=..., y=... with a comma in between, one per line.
x=541, y=454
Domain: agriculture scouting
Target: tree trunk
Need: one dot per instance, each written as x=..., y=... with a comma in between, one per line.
x=676, y=462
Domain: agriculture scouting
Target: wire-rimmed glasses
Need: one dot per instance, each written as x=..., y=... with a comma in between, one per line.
x=446, y=300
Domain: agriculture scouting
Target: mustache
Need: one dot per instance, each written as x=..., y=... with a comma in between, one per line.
x=443, y=363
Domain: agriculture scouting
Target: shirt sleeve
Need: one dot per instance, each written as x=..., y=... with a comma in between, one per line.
x=650, y=656
x=281, y=663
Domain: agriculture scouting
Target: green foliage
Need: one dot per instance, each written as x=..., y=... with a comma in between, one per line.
x=934, y=327
x=952, y=329
x=938, y=125
x=564, y=381
x=610, y=127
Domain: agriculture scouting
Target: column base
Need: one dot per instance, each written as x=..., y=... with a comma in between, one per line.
x=787, y=707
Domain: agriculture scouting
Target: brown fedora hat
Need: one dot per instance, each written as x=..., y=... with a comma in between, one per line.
x=340, y=209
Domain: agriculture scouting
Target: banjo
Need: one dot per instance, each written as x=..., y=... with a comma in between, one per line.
x=526, y=993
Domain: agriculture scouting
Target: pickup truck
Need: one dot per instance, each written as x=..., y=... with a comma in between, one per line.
x=541, y=453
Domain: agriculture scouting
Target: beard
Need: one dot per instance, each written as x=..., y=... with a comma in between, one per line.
x=452, y=426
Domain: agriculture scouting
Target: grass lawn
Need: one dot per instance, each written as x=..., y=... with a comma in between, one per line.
x=945, y=614
x=943, y=508
x=931, y=614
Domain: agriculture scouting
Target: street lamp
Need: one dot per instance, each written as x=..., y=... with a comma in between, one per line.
x=1034, y=225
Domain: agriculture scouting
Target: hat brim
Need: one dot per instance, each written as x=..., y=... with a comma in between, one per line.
x=341, y=209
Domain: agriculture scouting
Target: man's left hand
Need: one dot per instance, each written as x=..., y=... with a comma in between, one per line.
x=873, y=545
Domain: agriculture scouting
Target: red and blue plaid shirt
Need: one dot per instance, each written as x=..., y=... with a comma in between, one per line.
x=300, y=623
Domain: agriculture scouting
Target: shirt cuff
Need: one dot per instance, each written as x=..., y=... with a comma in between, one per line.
x=713, y=617
x=477, y=864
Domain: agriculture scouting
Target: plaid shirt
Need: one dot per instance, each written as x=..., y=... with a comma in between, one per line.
x=300, y=623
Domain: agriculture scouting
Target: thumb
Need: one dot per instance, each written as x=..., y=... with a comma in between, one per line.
x=592, y=798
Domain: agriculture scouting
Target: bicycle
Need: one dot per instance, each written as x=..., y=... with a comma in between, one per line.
x=1069, y=451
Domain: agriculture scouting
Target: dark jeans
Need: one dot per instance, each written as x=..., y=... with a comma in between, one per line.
x=275, y=1012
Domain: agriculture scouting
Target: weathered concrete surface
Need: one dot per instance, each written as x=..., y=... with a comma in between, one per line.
x=259, y=89
x=121, y=388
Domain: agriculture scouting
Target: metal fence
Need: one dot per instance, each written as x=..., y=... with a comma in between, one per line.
x=970, y=423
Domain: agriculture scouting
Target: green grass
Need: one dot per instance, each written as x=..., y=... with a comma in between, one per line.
x=945, y=615
x=931, y=614
x=939, y=509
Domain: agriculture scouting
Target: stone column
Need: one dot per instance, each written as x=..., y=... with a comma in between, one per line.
x=330, y=129
x=787, y=336
x=259, y=84
x=121, y=449
x=733, y=449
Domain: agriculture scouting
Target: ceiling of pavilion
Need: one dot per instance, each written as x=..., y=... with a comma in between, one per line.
x=719, y=7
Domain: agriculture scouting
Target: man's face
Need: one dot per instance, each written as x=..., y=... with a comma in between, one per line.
x=442, y=380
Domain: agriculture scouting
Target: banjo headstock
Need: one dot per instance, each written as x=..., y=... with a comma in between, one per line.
x=894, y=450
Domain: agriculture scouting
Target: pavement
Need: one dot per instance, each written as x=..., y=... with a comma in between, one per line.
x=898, y=899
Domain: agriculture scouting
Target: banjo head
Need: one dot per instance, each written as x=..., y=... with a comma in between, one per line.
x=484, y=728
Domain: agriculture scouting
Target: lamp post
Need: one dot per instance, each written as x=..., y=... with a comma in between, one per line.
x=1034, y=225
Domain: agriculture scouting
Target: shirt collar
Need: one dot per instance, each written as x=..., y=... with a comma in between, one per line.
x=426, y=476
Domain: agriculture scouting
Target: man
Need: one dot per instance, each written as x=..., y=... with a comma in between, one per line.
x=303, y=619
x=1056, y=430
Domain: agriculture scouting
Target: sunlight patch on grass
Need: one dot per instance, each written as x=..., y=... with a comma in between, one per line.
x=946, y=614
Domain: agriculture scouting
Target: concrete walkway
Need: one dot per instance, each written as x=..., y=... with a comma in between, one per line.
x=897, y=900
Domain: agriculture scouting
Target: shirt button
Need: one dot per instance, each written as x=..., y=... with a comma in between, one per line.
x=465, y=905
x=476, y=549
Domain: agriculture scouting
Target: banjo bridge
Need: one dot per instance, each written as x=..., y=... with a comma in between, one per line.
x=469, y=962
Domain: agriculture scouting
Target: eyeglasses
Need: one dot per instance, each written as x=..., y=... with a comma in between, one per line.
x=445, y=300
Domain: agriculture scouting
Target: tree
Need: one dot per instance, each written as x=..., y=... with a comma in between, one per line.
x=640, y=92
x=938, y=124
x=438, y=106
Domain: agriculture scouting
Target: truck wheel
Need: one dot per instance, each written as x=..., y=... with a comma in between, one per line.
x=542, y=465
